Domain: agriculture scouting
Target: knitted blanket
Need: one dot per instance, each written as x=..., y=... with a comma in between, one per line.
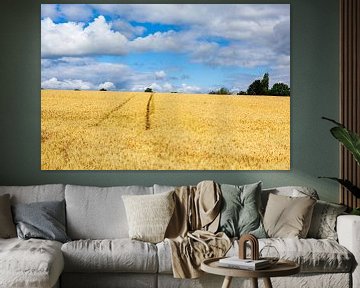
x=191, y=232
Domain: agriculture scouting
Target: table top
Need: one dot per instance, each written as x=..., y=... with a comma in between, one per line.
x=281, y=268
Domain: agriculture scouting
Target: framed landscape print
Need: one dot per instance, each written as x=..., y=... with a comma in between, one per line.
x=165, y=87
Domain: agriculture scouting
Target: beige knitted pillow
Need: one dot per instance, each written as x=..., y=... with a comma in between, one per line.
x=149, y=215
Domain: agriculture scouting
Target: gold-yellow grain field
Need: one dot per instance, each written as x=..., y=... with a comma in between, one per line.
x=101, y=130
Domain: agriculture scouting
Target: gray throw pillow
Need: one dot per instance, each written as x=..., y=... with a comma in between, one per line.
x=240, y=213
x=323, y=222
x=44, y=220
x=7, y=227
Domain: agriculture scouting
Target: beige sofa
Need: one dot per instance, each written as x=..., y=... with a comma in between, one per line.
x=101, y=254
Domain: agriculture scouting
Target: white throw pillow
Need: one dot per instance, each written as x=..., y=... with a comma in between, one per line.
x=149, y=215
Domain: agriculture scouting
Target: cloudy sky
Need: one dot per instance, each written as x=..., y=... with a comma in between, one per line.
x=190, y=48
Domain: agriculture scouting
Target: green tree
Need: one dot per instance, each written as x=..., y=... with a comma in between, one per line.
x=224, y=91
x=221, y=91
x=265, y=84
x=280, y=89
x=255, y=88
x=148, y=90
x=259, y=87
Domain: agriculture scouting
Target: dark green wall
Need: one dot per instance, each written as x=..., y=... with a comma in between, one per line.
x=314, y=85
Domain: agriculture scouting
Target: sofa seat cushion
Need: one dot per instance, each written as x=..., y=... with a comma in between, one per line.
x=30, y=263
x=115, y=255
x=313, y=255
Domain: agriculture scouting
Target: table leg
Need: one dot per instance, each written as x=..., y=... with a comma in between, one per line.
x=267, y=283
x=227, y=282
x=254, y=282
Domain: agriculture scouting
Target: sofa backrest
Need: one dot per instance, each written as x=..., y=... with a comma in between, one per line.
x=293, y=191
x=36, y=193
x=98, y=212
x=163, y=188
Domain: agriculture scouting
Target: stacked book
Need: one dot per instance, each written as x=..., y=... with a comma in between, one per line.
x=248, y=264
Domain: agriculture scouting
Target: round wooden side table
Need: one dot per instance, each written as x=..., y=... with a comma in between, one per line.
x=281, y=268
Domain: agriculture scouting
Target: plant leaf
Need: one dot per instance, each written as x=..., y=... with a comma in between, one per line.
x=333, y=121
x=349, y=139
x=347, y=184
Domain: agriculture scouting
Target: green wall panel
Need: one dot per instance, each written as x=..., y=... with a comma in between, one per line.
x=314, y=84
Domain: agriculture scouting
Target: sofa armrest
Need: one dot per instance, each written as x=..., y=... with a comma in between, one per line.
x=348, y=230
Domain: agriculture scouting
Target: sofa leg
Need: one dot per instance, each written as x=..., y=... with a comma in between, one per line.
x=267, y=283
x=227, y=282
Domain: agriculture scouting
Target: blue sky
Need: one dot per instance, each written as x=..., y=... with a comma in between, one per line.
x=190, y=48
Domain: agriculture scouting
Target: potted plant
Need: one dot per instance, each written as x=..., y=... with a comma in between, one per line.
x=351, y=141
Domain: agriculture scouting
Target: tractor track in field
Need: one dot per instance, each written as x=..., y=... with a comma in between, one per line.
x=115, y=109
x=149, y=110
x=64, y=149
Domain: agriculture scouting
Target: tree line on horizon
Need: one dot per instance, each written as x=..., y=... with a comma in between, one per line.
x=259, y=87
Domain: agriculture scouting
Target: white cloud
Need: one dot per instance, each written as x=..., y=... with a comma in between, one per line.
x=54, y=83
x=97, y=75
x=155, y=87
x=248, y=36
x=160, y=75
x=190, y=89
x=86, y=68
x=107, y=86
x=126, y=29
x=60, y=74
x=71, y=12
x=99, y=38
x=194, y=14
x=231, y=21
x=161, y=87
x=281, y=37
x=77, y=12
x=167, y=87
x=266, y=39
x=72, y=39
x=50, y=11
x=159, y=41
x=77, y=39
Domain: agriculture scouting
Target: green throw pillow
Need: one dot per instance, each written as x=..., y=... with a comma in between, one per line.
x=240, y=213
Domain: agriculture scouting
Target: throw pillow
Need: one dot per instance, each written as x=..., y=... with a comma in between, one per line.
x=288, y=217
x=44, y=220
x=323, y=222
x=240, y=213
x=149, y=215
x=7, y=227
